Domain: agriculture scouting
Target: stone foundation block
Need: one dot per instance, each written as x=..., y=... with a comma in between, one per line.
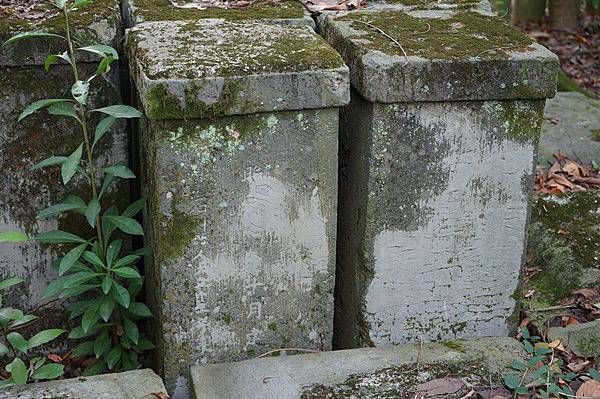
x=436, y=169
x=390, y=372
x=239, y=151
x=135, y=384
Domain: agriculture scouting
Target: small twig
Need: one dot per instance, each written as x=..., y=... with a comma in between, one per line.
x=425, y=31
x=559, y=307
x=379, y=30
x=469, y=395
x=287, y=349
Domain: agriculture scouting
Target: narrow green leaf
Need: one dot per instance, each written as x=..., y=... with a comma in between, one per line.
x=80, y=3
x=90, y=317
x=112, y=253
x=44, y=337
x=113, y=357
x=145, y=251
x=518, y=365
x=26, y=319
x=106, y=283
x=50, y=60
x=18, y=342
x=105, y=184
x=127, y=225
x=13, y=236
x=27, y=35
x=93, y=259
x=48, y=371
x=76, y=291
x=78, y=278
x=131, y=330
x=121, y=171
x=18, y=372
x=10, y=282
x=126, y=260
x=54, y=288
x=84, y=349
x=594, y=374
x=106, y=308
x=53, y=160
x=104, y=66
x=139, y=309
x=57, y=237
x=67, y=262
x=3, y=350
x=101, y=50
x=134, y=208
x=145, y=345
x=102, y=344
x=63, y=109
x=60, y=3
x=120, y=111
x=55, y=210
x=127, y=272
x=121, y=294
x=92, y=211
x=39, y=105
x=69, y=167
x=97, y=368
x=103, y=126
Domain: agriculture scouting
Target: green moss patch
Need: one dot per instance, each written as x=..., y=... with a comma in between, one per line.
x=219, y=48
x=564, y=241
x=432, y=4
x=564, y=83
x=163, y=10
x=401, y=381
x=464, y=34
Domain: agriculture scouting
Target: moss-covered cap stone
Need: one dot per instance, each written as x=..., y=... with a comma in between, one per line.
x=286, y=12
x=98, y=22
x=215, y=67
x=440, y=55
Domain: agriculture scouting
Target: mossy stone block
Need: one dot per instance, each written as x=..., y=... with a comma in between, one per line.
x=582, y=339
x=286, y=12
x=96, y=23
x=213, y=67
x=390, y=372
x=440, y=55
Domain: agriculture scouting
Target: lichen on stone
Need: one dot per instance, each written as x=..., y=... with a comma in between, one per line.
x=228, y=49
x=452, y=35
x=163, y=10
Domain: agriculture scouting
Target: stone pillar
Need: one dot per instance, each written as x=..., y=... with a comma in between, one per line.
x=23, y=192
x=239, y=151
x=436, y=171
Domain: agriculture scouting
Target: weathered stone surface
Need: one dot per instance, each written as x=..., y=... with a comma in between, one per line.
x=244, y=68
x=98, y=23
x=465, y=55
x=571, y=126
x=242, y=209
x=582, y=339
x=24, y=192
x=136, y=384
x=437, y=165
x=433, y=208
x=564, y=242
x=287, y=12
x=359, y=373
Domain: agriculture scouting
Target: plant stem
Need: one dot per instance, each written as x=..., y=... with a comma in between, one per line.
x=83, y=119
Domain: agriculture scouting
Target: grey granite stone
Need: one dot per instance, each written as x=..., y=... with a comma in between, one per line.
x=137, y=384
x=243, y=68
x=242, y=205
x=572, y=127
x=582, y=339
x=440, y=55
x=288, y=12
x=359, y=373
x=434, y=200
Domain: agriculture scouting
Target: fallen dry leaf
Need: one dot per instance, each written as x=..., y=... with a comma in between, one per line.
x=589, y=389
x=587, y=292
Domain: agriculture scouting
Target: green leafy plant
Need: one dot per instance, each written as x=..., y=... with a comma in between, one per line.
x=15, y=346
x=102, y=281
x=595, y=4
x=542, y=374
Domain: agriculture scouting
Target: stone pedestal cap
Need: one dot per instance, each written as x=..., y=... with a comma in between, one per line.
x=99, y=22
x=440, y=55
x=285, y=12
x=215, y=67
